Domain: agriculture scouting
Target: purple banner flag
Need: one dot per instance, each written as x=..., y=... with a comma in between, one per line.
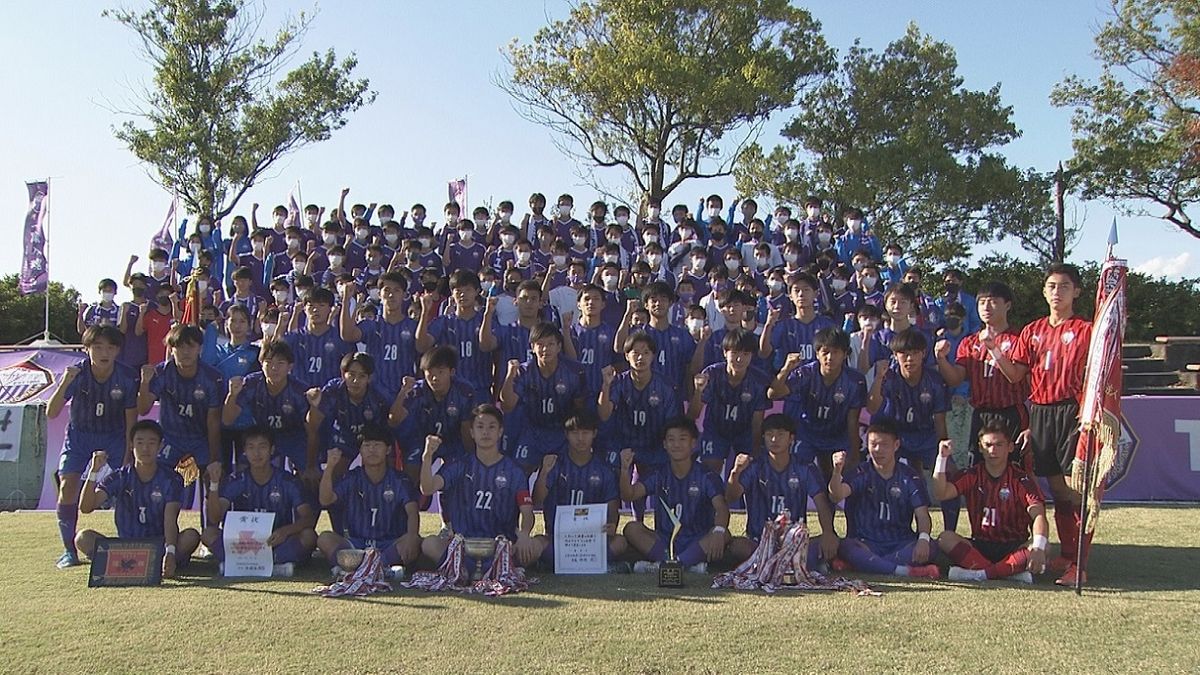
x=458, y=194
x=35, y=267
x=165, y=239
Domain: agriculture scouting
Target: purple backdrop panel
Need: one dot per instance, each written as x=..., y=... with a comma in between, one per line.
x=1159, y=458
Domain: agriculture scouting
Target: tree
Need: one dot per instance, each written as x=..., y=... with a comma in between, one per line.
x=24, y=315
x=896, y=134
x=219, y=113
x=1137, y=129
x=656, y=88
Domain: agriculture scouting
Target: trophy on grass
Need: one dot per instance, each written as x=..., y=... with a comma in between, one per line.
x=670, y=571
x=478, y=549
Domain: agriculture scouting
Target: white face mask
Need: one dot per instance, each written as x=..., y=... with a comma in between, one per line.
x=761, y=262
x=336, y=260
x=713, y=212
x=854, y=224
x=299, y=267
x=268, y=329
x=732, y=265
x=560, y=260
x=303, y=293
x=486, y=286
x=792, y=234
x=480, y=223
x=790, y=257
x=424, y=242
x=839, y=285
x=869, y=282
x=650, y=237
x=384, y=220
x=698, y=264
x=205, y=228
x=653, y=212
x=293, y=243
x=824, y=237
x=614, y=239
x=775, y=286
x=695, y=325
x=466, y=236
x=362, y=233
x=580, y=242
x=194, y=248
x=329, y=239
x=523, y=257
x=256, y=246
x=505, y=216
x=892, y=258
x=564, y=210
x=508, y=239
x=610, y=282
x=654, y=259
x=622, y=220
x=873, y=323
x=812, y=212
x=392, y=238
x=281, y=297
x=158, y=266
x=107, y=296
x=279, y=220
x=610, y=258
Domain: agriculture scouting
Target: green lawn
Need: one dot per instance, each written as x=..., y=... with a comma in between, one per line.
x=1141, y=613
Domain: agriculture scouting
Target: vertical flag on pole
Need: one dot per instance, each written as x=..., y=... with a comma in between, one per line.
x=293, y=206
x=458, y=194
x=35, y=266
x=1100, y=411
x=165, y=239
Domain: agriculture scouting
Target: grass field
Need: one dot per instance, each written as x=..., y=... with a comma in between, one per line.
x=1142, y=613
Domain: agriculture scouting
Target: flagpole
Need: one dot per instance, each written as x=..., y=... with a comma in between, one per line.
x=1080, y=562
x=46, y=238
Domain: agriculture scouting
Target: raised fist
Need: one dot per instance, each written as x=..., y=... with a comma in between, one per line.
x=407, y=385
x=513, y=367
x=314, y=397
x=235, y=385
x=332, y=458
x=773, y=315
x=881, y=368
x=741, y=461
x=839, y=460
x=214, y=472
x=626, y=458
x=147, y=373
x=946, y=448
x=548, y=462
x=345, y=191
x=133, y=259
x=701, y=381
x=70, y=373
x=793, y=361
x=942, y=349
x=99, y=459
x=432, y=443
x=607, y=373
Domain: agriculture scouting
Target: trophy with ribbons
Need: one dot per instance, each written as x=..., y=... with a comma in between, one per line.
x=670, y=571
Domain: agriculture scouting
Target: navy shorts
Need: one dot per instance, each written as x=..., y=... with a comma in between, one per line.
x=78, y=447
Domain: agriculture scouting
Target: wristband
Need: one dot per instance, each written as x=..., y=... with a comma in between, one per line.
x=214, y=486
x=1039, y=542
x=169, y=550
x=719, y=529
x=924, y=536
x=939, y=465
x=94, y=477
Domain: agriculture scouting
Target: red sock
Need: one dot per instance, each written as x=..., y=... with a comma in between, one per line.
x=965, y=555
x=1011, y=564
x=1068, y=529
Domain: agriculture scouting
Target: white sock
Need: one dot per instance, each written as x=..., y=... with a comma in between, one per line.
x=902, y=570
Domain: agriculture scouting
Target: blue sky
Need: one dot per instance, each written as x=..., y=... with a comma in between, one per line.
x=438, y=115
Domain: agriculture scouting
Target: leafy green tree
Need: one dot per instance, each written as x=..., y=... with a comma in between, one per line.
x=896, y=134
x=659, y=88
x=219, y=113
x=1137, y=129
x=24, y=315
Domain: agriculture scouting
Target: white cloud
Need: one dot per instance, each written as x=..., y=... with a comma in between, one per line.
x=1168, y=266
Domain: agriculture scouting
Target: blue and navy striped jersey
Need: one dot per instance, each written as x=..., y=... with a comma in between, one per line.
x=547, y=402
x=279, y=495
x=99, y=407
x=375, y=511
x=820, y=409
x=689, y=497
x=770, y=492
x=318, y=357
x=139, y=507
x=880, y=510
x=485, y=501
x=183, y=403
x=729, y=409
x=568, y=484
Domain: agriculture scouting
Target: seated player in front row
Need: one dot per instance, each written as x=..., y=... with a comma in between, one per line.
x=378, y=504
x=1003, y=503
x=264, y=489
x=486, y=493
x=145, y=497
x=776, y=481
x=578, y=477
x=695, y=495
x=882, y=498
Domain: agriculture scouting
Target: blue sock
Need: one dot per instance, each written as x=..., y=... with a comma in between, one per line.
x=68, y=518
x=950, y=511
x=288, y=551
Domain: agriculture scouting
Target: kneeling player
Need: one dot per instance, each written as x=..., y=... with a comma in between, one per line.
x=378, y=503
x=693, y=493
x=145, y=497
x=578, y=478
x=776, y=482
x=882, y=498
x=264, y=489
x=486, y=492
x=1003, y=503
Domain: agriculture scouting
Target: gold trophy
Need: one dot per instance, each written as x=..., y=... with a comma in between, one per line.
x=478, y=549
x=670, y=571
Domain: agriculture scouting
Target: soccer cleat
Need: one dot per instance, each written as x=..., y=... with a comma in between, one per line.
x=699, y=568
x=1025, y=577
x=394, y=573
x=67, y=559
x=1059, y=565
x=445, y=533
x=283, y=569
x=1068, y=579
x=956, y=573
x=620, y=567
x=926, y=571
x=337, y=573
x=645, y=567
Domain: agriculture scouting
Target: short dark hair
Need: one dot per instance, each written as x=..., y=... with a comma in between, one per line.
x=443, y=356
x=995, y=427
x=684, y=423
x=321, y=295
x=464, y=278
x=659, y=288
x=738, y=340
x=259, y=431
x=582, y=420
x=635, y=338
x=108, y=334
x=1069, y=270
x=184, y=333
x=831, y=338
x=780, y=422
x=995, y=289
x=375, y=432
x=280, y=349
x=489, y=410
x=146, y=425
x=544, y=330
x=909, y=340
x=903, y=290
x=361, y=358
x=884, y=426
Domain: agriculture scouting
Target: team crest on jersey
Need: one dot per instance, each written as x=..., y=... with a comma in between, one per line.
x=242, y=361
x=117, y=393
x=287, y=408
x=793, y=482
x=156, y=495
x=693, y=490
x=839, y=396
x=1005, y=494
x=406, y=334
x=926, y=397
x=368, y=414
x=199, y=393
x=894, y=491
x=746, y=396
x=560, y=388
x=1068, y=337
x=674, y=339
x=594, y=479
x=1004, y=346
x=275, y=496
x=328, y=346
x=389, y=495
x=501, y=482
x=654, y=400
x=452, y=410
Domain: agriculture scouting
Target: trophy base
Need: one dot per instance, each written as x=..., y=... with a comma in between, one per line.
x=789, y=578
x=670, y=574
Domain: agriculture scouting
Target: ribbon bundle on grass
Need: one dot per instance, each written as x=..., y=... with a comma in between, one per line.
x=783, y=548
x=502, y=577
x=366, y=579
